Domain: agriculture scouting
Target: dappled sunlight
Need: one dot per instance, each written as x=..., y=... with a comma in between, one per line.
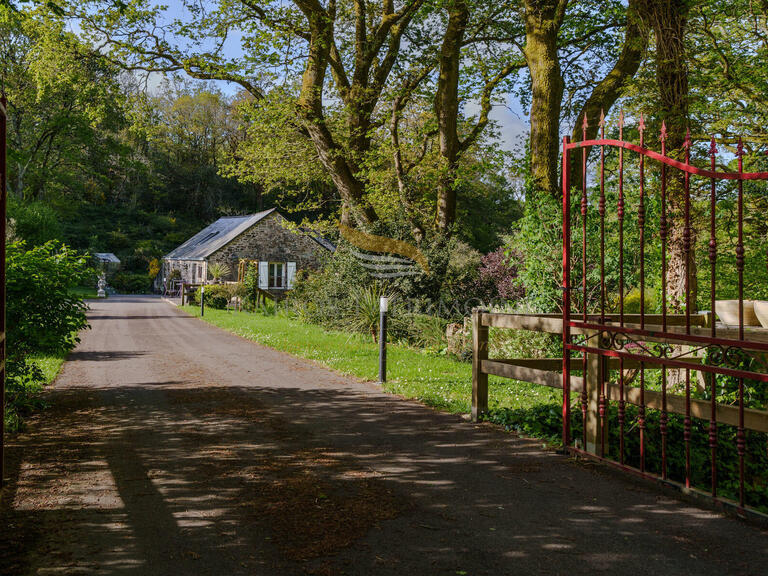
x=163, y=463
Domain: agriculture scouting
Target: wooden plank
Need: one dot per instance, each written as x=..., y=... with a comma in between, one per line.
x=546, y=374
x=556, y=364
x=552, y=323
x=527, y=374
x=534, y=322
x=753, y=419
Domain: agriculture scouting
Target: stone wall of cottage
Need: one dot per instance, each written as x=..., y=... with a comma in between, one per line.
x=270, y=241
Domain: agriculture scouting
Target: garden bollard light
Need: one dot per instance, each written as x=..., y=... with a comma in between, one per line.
x=202, y=301
x=383, y=305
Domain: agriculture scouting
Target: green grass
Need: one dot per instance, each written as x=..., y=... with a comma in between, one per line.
x=438, y=381
x=84, y=292
x=50, y=364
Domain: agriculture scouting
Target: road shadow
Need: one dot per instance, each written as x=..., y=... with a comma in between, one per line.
x=176, y=479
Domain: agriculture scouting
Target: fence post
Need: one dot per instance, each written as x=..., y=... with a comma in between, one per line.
x=202, y=300
x=182, y=293
x=592, y=388
x=479, y=353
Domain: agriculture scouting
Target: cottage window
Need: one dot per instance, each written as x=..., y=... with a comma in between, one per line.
x=276, y=275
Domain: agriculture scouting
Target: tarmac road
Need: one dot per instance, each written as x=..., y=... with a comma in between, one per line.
x=174, y=448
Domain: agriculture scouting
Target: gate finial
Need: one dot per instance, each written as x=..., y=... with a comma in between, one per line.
x=663, y=131
x=740, y=148
x=584, y=126
x=641, y=128
x=621, y=124
x=687, y=142
x=712, y=146
x=601, y=123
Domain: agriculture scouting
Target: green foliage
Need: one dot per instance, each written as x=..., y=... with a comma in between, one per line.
x=424, y=331
x=24, y=382
x=218, y=270
x=35, y=222
x=538, y=238
x=44, y=316
x=217, y=296
x=134, y=235
x=65, y=106
x=127, y=283
x=251, y=285
x=361, y=310
x=318, y=296
x=42, y=312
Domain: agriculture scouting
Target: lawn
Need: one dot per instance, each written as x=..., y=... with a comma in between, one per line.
x=84, y=292
x=438, y=381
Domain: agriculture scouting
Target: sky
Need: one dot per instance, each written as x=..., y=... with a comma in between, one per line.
x=510, y=117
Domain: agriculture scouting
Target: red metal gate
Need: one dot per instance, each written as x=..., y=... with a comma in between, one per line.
x=665, y=381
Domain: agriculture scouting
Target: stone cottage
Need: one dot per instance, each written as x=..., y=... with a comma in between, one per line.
x=262, y=237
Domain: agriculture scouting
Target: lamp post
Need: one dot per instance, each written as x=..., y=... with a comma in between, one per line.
x=383, y=307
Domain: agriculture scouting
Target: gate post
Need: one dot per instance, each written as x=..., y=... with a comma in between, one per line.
x=595, y=385
x=592, y=388
x=479, y=353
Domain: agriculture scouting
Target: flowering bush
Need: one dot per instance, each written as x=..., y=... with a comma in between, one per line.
x=498, y=275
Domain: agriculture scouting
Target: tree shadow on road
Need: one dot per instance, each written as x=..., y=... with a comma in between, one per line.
x=175, y=479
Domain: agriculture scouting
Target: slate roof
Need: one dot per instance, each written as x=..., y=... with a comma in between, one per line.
x=215, y=236
x=106, y=257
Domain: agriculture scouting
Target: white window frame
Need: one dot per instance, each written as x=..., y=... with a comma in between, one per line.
x=273, y=277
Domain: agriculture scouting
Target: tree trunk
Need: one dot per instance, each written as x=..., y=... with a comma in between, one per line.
x=668, y=18
x=610, y=88
x=310, y=109
x=543, y=19
x=447, y=110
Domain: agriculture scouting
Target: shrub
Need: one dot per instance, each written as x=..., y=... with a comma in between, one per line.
x=318, y=295
x=154, y=267
x=251, y=285
x=425, y=331
x=127, y=283
x=34, y=222
x=218, y=270
x=42, y=313
x=362, y=312
x=498, y=274
x=217, y=296
x=23, y=384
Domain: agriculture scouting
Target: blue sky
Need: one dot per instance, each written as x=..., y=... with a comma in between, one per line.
x=511, y=118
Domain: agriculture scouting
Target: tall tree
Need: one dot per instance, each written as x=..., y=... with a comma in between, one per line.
x=669, y=19
x=64, y=102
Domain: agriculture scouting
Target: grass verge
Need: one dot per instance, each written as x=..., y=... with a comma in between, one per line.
x=50, y=364
x=84, y=292
x=437, y=381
